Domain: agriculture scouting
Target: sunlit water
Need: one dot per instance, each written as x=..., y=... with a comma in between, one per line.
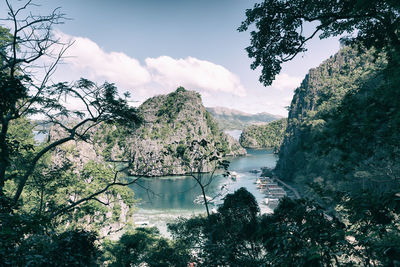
x=161, y=200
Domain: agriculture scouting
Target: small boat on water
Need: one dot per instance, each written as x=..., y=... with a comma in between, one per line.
x=263, y=183
x=261, y=186
x=276, y=190
x=200, y=200
x=271, y=200
x=254, y=171
x=143, y=224
x=233, y=176
x=263, y=180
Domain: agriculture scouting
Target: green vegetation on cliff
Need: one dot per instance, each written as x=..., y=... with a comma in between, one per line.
x=264, y=136
x=319, y=103
x=173, y=123
x=342, y=146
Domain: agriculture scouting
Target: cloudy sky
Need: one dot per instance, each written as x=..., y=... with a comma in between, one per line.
x=151, y=47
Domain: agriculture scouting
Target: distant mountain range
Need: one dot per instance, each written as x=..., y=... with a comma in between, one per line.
x=231, y=119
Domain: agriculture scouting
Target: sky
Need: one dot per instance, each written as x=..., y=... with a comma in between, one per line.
x=150, y=47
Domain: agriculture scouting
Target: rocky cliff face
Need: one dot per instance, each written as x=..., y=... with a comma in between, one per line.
x=163, y=145
x=321, y=92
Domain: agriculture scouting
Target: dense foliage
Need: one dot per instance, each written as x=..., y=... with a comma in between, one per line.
x=341, y=148
x=48, y=191
x=61, y=198
x=318, y=97
x=299, y=233
x=281, y=28
x=145, y=246
x=341, y=145
x=264, y=136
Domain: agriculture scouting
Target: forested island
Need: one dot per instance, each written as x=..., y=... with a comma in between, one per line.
x=166, y=142
x=264, y=136
x=66, y=199
x=173, y=123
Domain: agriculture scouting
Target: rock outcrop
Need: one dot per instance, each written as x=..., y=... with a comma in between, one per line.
x=319, y=95
x=173, y=123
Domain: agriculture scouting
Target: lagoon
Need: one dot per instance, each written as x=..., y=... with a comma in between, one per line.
x=162, y=199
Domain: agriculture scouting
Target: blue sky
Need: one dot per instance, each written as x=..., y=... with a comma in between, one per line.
x=151, y=46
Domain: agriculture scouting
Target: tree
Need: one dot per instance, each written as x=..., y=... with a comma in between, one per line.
x=226, y=238
x=22, y=95
x=70, y=248
x=281, y=33
x=145, y=246
x=301, y=233
x=298, y=233
x=35, y=192
x=200, y=158
x=341, y=138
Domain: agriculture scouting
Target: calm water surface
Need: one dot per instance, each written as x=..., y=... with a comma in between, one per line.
x=163, y=199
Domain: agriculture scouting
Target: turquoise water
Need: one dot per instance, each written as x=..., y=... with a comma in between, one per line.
x=165, y=198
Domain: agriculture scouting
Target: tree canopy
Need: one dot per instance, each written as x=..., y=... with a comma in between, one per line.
x=23, y=94
x=42, y=199
x=280, y=28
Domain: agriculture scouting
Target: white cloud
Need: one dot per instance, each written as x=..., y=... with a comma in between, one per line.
x=194, y=73
x=91, y=61
x=157, y=76
x=285, y=82
x=161, y=75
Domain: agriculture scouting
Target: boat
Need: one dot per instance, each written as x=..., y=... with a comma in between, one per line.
x=143, y=224
x=254, y=171
x=271, y=200
x=263, y=180
x=233, y=176
x=278, y=190
x=200, y=200
x=261, y=186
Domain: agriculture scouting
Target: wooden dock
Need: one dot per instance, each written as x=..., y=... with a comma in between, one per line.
x=297, y=195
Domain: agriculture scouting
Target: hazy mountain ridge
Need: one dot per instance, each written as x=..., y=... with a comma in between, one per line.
x=231, y=119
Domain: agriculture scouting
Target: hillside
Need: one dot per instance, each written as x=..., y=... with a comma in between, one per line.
x=231, y=119
x=341, y=123
x=264, y=136
x=163, y=145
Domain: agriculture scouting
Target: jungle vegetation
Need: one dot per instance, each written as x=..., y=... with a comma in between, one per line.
x=341, y=148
